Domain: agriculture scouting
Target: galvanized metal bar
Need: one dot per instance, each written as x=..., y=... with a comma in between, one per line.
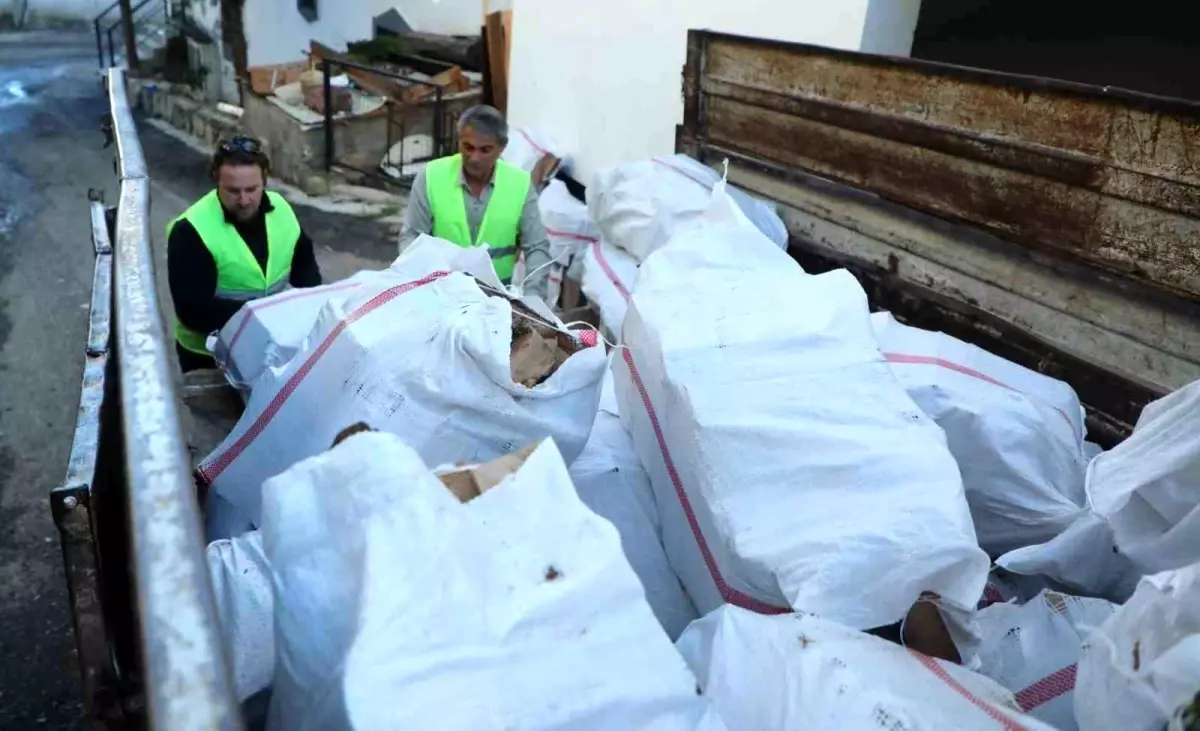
x=186, y=676
x=1110, y=178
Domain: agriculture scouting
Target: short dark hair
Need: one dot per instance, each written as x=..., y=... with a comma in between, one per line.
x=239, y=150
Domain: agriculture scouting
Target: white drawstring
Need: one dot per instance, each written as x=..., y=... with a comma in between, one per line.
x=518, y=289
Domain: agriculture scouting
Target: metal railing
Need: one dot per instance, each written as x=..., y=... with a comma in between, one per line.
x=149, y=645
x=403, y=118
x=149, y=18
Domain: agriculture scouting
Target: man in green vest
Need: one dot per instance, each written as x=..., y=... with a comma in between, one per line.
x=476, y=199
x=237, y=243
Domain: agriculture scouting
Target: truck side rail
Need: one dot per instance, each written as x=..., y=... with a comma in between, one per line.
x=156, y=637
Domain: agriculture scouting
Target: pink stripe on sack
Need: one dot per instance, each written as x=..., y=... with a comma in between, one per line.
x=728, y=593
x=930, y=360
x=533, y=144
x=995, y=713
x=567, y=235
x=280, y=299
x=681, y=171
x=1048, y=688
x=209, y=473
x=598, y=251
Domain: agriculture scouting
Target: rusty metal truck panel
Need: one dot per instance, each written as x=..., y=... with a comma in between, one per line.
x=1109, y=177
x=1052, y=223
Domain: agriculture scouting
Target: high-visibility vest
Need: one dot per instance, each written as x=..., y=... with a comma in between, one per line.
x=501, y=222
x=240, y=277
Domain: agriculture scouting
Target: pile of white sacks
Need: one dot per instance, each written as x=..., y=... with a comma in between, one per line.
x=710, y=526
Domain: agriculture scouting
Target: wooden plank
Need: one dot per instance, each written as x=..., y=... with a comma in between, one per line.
x=380, y=85
x=1109, y=178
x=497, y=49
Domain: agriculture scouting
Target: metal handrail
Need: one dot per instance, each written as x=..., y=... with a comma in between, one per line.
x=107, y=33
x=187, y=685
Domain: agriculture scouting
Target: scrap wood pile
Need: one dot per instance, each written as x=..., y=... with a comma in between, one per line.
x=765, y=509
x=411, y=69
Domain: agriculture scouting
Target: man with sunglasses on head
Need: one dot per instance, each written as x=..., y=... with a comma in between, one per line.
x=475, y=199
x=238, y=243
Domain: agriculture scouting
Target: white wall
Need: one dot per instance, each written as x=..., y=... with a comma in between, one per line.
x=277, y=33
x=604, y=78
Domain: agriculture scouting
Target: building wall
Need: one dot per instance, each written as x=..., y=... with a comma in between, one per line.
x=604, y=78
x=277, y=33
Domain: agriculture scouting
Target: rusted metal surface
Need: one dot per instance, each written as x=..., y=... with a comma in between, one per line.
x=71, y=503
x=187, y=685
x=1108, y=177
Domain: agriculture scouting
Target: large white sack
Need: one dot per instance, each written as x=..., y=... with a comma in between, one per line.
x=1144, y=508
x=610, y=480
x=1140, y=670
x=1148, y=487
x=1083, y=558
x=567, y=223
x=400, y=607
x=429, y=360
x=1033, y=650
x=799, y=672
x=241, y=584
x=609, y=275
x=268, y=332
x=1017, y=435
x=639, y=206
x=790, y=468
x=527, y=147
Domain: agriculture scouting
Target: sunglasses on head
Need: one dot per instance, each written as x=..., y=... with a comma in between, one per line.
x=248, y=145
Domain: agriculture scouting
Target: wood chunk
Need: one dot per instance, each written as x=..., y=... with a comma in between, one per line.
x=470, y=483
x=533, y=358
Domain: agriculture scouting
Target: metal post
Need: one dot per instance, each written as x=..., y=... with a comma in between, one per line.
x=326, y=69
x=99, y=41
x=440, y=148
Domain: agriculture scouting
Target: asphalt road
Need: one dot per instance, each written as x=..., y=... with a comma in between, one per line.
x=51, y=104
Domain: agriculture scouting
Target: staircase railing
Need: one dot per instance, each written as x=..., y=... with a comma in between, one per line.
x=148, y=17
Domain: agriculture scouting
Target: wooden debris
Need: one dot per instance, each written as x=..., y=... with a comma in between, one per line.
x=264, y=80
x=497, y=43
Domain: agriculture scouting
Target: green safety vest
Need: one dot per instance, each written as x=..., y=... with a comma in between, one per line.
x=501, y=221
x=240, y=278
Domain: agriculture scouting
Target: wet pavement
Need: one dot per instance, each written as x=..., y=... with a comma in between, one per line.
x=51, y=104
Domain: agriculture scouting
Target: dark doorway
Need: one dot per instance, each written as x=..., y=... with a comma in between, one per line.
x=1148, y=46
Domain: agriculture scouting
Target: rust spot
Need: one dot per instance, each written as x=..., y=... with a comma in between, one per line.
x=552, y=573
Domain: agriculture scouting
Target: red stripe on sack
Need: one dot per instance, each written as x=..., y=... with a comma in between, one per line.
x=598, y=251
x=995, y=713
x=991, y=595
x=256, y=305
x=681, y=171
x=1048, y=688
x=212, y=471
x=533, y=144
x=728, y=593
x=949, y=365
x=567, y=235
